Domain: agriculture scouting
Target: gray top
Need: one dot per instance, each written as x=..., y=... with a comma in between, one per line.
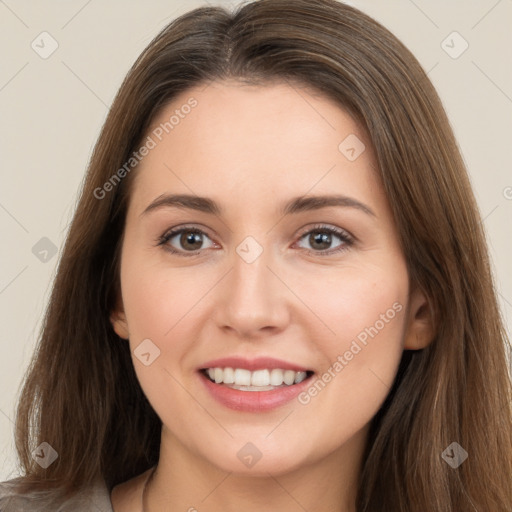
x=91, y=499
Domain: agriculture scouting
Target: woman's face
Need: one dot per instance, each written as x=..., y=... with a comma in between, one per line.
x=265, y=274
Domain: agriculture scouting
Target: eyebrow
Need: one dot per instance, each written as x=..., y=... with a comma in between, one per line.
x=295, y=205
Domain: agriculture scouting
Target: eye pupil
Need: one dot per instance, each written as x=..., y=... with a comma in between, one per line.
x=188, y=237
x=321, y=238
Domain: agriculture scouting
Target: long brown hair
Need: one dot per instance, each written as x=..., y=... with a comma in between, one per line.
x=81, y=394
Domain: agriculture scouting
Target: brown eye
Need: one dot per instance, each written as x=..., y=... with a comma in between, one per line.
x=184, y=240
x=190, y=240
x=321, y=239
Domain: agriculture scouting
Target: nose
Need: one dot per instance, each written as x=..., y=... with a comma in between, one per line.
x=253, y=300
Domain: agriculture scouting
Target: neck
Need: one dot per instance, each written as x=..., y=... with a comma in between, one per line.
x=184, y=481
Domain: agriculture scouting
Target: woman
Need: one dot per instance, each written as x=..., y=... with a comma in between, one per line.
x=275, y=292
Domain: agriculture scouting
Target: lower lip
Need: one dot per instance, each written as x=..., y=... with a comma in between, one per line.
x=253, y=401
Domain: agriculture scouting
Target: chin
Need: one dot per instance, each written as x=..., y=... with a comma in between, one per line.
x=259, y=458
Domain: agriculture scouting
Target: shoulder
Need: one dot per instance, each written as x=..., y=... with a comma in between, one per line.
x=94, y=498
x=127, y=496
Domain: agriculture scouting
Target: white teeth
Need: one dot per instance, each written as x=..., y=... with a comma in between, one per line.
x=276, y=377
x=300, y=376
x=229, y=376
x=289, y=377
x=264, y=379
x=242, y=377
x=260, y=378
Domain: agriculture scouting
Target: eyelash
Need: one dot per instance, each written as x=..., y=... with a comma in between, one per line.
x=347, y=239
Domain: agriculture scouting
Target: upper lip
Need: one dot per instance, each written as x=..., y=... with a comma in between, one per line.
x=259, y=363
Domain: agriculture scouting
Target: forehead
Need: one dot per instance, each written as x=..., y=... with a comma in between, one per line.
x=246, y=141
x=254, y=114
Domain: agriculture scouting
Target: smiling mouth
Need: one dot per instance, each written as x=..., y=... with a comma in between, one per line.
x=257, y=380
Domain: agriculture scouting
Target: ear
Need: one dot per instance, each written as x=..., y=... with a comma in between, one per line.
x=419, y=328
x=118, y=321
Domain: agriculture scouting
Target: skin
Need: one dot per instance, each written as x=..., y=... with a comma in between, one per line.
x=251, y=149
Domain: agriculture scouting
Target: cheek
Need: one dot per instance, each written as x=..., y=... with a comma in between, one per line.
x=366, y=311
x=148, y=306
x=158, y=304
x=163, y=305
x=356, y=303
x=371, y=309
x=155, y=299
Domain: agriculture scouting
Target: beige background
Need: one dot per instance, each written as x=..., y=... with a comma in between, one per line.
x=51, y=111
